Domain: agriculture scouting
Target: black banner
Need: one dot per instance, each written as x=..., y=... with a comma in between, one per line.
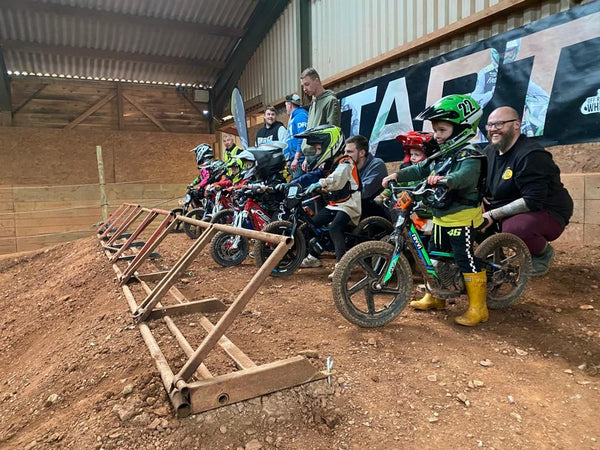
x=548, y=70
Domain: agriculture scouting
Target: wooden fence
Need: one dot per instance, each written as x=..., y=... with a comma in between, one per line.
x=33, y=217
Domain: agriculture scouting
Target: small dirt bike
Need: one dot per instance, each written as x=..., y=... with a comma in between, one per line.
x=212, y=203
x=250, y=211
x=192, y=205
x=296, y=220
x=373, y=282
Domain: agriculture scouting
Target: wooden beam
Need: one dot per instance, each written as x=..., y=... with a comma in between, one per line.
x=120, y=118
x=252, y=382
x=99, y=104
x=122, y=19
x=482, y=17
x=85, y=52
x=28, y=99
x=154, y=120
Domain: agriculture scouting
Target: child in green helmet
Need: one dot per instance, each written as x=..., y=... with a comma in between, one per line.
x=456, y=212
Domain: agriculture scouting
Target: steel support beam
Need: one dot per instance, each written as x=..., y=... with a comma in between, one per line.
x=263, y=18
x=5, y=98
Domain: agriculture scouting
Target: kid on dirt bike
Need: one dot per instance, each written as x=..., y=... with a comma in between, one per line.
x=342, y=186
x=455, y=174
x=417, y=146
x=204, y=157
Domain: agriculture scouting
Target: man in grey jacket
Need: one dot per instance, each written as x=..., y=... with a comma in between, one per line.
x=324, y=108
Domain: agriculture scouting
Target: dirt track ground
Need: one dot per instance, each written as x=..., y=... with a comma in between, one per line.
x=75, y=373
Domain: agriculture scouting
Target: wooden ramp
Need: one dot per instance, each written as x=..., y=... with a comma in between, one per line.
x=193, y=388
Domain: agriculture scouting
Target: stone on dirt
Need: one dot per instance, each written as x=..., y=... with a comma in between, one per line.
x=254, y=444
x=51, y=400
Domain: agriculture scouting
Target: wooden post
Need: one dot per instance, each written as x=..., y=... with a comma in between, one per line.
x=103, y=199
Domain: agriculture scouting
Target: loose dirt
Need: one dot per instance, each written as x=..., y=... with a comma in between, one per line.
x=75, y=372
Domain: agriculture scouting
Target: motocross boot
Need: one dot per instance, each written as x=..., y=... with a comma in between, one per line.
x=428, y=302
x=476, y=292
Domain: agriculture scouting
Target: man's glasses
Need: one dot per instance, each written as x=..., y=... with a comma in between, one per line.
x=498, y=125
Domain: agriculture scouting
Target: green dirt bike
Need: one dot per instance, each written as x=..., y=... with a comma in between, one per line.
x=373, y=281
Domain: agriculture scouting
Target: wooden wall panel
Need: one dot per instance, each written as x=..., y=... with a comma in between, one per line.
x=35, y=217
x=55, y=103
x=43, y=156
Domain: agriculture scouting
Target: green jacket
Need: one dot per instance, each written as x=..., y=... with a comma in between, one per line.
x=324, y=110
x=462, y=169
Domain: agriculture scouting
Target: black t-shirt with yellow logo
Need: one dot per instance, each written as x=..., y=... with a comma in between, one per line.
x=527, y=171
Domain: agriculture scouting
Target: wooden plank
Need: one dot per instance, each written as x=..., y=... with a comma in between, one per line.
x=90, y=111
x=40, y=241
x=120, y=121
x=6, y=199
x=28, y=99
x=42, y=194
x=146, y=113
x=7, y=226
x=8, y=245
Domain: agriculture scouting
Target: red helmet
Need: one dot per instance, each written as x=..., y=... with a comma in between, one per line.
x=418, y=140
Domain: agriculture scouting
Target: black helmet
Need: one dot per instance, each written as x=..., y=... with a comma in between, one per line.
x=217, y=168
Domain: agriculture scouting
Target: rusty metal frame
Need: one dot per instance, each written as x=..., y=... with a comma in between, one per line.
x=194, y=388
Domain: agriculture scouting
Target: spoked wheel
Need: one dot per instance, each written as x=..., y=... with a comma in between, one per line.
x=294, y=256
x=508, y=265
x=228, y=249
x=357, y=291
x=194, y=231
x=178, y=228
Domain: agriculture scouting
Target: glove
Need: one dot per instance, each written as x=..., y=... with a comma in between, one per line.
x=190, y=186
x=280, y=187
x=312, y=188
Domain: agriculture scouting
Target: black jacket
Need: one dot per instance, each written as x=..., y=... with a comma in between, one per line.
x=527, y=171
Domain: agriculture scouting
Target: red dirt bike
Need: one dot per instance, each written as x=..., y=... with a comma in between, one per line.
x=211, y=204
x=253, y=208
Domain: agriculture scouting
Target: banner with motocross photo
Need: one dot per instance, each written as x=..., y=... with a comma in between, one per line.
x=548, y=70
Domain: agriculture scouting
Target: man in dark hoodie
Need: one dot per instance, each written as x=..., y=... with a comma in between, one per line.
x=324, y=108
x=273, y=130
x=526, y=195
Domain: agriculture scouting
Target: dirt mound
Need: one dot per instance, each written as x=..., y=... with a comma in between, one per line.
x=75, y=373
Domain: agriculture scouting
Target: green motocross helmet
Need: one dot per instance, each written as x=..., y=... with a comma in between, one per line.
x=460, y=110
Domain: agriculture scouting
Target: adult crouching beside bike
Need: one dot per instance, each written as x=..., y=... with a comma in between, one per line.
x=341, y=188
x=456, y=169
x=526, y=197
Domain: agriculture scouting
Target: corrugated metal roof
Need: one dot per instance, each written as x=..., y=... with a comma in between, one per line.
x=172, y=41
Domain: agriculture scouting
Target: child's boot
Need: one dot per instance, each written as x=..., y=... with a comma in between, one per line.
x=476, y=292
x=428, y=302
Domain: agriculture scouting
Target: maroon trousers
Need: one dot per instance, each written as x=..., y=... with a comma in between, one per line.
x=535, y=228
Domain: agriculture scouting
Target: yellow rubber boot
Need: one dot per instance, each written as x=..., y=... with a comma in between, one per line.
x=428, y=302
x=476, y=292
